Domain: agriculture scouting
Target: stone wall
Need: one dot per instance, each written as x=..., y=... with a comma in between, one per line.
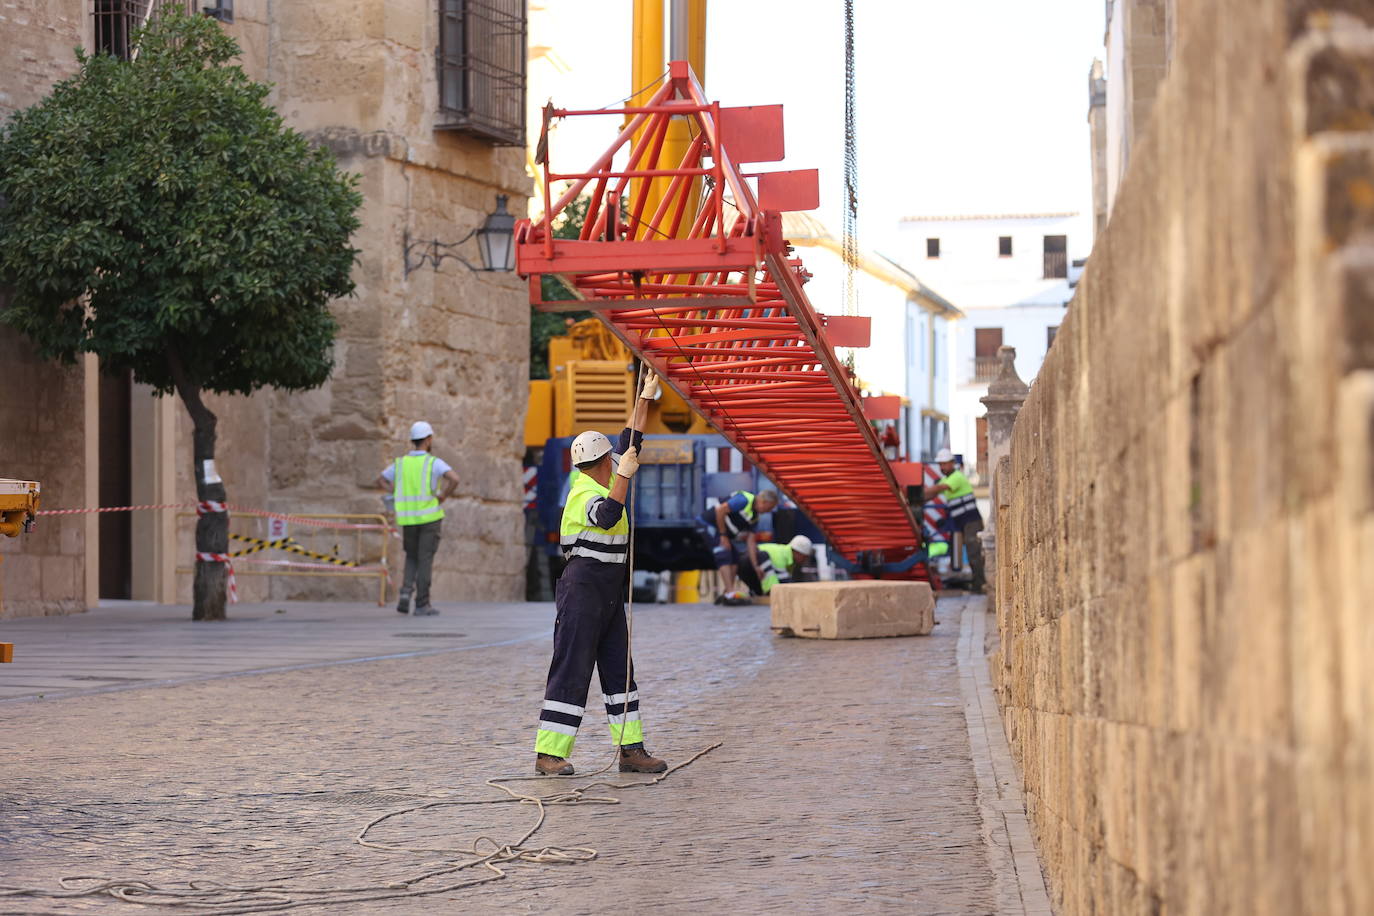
x=42, y=422
x=41, y=439
x=1186, y=520
x=447, y=346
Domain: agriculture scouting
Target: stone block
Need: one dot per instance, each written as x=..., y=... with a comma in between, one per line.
x=853, y=610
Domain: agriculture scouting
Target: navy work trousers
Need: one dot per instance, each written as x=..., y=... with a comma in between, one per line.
x=588, y=631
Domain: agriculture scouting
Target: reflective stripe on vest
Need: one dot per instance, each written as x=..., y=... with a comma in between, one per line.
x=959, y=498
x=580, y=538
x=413, y=483
x=736, y=522
x=776, y=565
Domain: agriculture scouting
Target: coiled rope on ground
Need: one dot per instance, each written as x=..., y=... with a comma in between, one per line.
x=484, y=853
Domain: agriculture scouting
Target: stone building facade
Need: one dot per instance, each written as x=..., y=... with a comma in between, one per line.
x=1186, y=518
x=446, y=345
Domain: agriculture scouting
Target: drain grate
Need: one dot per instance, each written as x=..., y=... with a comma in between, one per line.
x=430, y=635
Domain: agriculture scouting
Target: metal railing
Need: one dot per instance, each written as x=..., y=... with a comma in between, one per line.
x=481, y=68
x=985, y=368
x=115, y=21
x=1056, y=265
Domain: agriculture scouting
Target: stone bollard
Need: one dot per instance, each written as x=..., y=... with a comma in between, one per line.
x=1005, y=396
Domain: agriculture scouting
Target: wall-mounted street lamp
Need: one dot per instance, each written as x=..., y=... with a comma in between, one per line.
x=495, y=244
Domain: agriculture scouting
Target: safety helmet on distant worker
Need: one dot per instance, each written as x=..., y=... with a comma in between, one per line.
x=802, y=544
x=420, y=430
x=588, y=447
x=943, y=455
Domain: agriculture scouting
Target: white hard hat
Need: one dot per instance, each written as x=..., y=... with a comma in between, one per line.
x=801, y=544
x=420, y=430
x=589, y=446
x=944, y=455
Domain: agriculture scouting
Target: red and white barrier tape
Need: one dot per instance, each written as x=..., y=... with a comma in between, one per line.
x=209, y=506
x=108, y=509
x=229, y=568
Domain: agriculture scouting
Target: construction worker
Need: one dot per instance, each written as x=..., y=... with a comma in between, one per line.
x=722, y=525
x=590, y=626
x=413, y=480
x=965, y=521
x=780, y=561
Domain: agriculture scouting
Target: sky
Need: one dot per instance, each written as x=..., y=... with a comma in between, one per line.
x=963, y=106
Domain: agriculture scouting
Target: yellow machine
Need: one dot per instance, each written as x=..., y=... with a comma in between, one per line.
x=18, y=505
x=18, y=509
x=593, y=388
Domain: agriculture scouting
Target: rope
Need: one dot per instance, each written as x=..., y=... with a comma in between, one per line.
x=486, y=853
x=217, y=899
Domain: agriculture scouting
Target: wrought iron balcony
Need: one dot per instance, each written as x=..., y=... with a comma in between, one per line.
x=985, y=368
x=1056, y=265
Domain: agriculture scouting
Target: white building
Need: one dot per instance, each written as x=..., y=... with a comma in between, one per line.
x=1013, y=277
x=908, y=353
x=1139, y=41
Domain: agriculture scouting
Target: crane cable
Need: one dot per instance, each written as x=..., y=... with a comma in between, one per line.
x=850, y=240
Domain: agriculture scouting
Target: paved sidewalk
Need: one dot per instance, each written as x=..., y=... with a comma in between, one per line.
x=257, y=749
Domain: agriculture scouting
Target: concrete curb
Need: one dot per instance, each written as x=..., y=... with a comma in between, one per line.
x=1018, y=880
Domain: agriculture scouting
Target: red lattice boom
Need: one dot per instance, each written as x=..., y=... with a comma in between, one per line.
x=690, y=269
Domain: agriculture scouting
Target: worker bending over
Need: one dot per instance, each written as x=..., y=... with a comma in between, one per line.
x=780, y=561
x=728, y=521
x=590, y=625
x=965, y=521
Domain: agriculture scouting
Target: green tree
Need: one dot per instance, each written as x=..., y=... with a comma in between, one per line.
x=544, y=325
x=158, y=214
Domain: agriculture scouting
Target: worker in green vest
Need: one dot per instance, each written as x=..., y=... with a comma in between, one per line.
x=590, y=630
x=780, y=561
x=964, y=521
x=413, y=480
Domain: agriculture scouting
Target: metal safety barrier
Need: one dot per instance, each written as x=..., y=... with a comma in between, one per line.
x=339, y=545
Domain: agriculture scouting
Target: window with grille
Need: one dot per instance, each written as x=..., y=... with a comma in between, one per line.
x=481, y=58
x=115, y=21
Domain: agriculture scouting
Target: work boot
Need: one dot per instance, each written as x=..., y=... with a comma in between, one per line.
x=548, y=765
x=638, y=760
x=403, y=604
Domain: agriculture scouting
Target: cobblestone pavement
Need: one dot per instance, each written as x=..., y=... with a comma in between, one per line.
x=844, y=782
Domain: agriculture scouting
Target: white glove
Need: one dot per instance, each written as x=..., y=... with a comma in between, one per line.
x=650, y=389
x=629, y=463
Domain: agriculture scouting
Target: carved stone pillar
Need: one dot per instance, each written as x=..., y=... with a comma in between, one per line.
x=1005, y=396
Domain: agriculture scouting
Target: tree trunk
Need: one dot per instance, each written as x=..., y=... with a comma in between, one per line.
x=212, y=528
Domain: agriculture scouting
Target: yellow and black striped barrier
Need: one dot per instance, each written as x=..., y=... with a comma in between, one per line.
x=258, y=544
x=322, y=557
x=356, y=545
x=290, y=546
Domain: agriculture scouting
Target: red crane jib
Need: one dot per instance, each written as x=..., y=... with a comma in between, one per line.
x=693, y=274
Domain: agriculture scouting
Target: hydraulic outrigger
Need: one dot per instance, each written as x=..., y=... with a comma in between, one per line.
x=703, y=286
